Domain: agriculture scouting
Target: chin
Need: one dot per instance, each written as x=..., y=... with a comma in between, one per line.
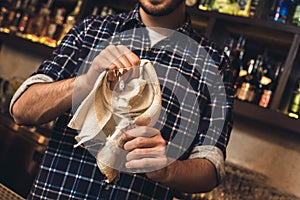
x=160, y=7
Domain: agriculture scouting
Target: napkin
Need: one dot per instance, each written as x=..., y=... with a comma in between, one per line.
x=105, y=114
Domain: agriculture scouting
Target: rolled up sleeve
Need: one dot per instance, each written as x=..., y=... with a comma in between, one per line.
x=37, y=78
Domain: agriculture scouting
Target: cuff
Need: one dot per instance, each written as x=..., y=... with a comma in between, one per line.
x=214, y=155
x=38, y=78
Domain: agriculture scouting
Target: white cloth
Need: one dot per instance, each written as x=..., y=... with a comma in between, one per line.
x=105, y=113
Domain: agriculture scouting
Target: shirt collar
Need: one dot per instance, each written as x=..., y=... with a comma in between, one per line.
x=133, y=20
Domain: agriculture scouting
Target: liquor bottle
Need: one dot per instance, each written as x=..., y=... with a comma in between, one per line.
x=76, y=11
x=243, y=86
x=56, y=26
x=95, y=11
x=190, y=3
x=270, y=86
x=30, y=13
x=296, y=15
x=224, y=6
x=263, y=76
x=3, y=18
x=243, y=8
x=253, y=7
x=294, y=107
x=249, y=84
x=281, y=10
x=18, y=12
x=205, y=5
x=40, y=22
x=70, y=20
x=104, y=11
x=12, y=11
x=228, y=46
x=237, y=57
x=24, y=18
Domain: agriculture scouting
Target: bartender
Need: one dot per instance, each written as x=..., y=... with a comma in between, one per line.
x=68, y=172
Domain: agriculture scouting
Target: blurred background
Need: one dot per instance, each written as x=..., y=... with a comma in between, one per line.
x=261, y=38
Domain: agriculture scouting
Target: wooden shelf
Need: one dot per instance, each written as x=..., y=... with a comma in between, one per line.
x=253, y=22
x=267, y=116
x=25, y=45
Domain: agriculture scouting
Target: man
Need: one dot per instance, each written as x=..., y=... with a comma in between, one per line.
x=72, y=173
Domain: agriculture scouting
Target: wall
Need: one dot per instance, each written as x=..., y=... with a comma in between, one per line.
x=17, y=63
x=271, y=151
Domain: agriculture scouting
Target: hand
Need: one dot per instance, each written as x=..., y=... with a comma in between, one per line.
x=112, y=57
x=147, y=150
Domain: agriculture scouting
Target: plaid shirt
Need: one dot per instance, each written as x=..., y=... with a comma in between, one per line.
x=71, y=173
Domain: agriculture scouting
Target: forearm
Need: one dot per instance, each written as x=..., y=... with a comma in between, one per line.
x=43, y=102
x=191, y=176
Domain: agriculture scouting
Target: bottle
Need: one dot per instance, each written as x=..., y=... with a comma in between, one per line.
x=190, y=3
x=104, y=11
x=281, y=10
x=13, y=10
x=253, y=7
x=228, y=46
x=242, y=91
x=294, y=106
x=24, y=18
x=237, y=57
x=4, y=15
x=296, y=16
x=18, y=12
x=76, y=11
x=270, y=86
x=205, y=5
x=3, y=19
x=70, y=20
x=243, y=8
x=95, y=11
x=40, y=23
x=224, y=6
x=31, y=12
x=263, y=76
x=250, y=81
x=56, y=26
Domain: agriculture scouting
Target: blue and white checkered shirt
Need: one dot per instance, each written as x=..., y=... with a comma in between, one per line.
x=71, y=173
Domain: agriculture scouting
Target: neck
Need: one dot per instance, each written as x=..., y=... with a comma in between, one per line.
x=166, y=21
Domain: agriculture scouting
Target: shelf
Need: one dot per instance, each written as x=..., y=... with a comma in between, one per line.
x=38, y=134
x=25, y=45
x=253, y=22
x=266, y=115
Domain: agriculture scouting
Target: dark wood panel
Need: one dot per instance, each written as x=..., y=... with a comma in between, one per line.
x=252, y=22
x=287, y=71
x=26, y=45
x=266, y=116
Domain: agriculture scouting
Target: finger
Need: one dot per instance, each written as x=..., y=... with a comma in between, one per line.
x=117, y=55
x=142, y=142
x=147, y=163
x=123, y=51
x=112, y=55
x=118, y=64
x=142, y=131
x=108, y=54
x=146, y=153
x=128, y=56
x=101, y=63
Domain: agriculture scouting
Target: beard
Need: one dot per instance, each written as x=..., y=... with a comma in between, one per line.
x=160, y=7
